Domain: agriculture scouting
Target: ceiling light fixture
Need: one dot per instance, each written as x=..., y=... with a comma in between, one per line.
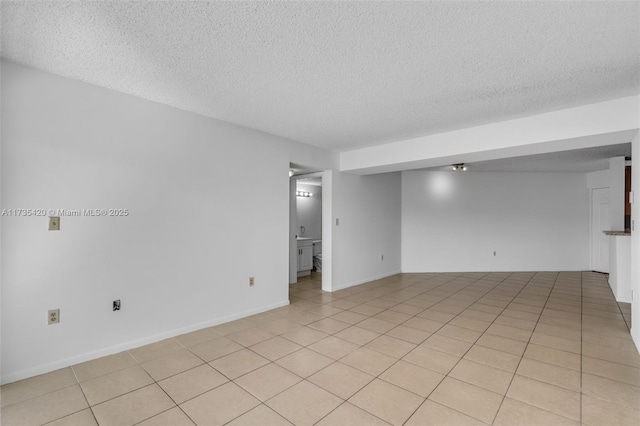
x=304, y=194
x=291, y=172
x=459, y=167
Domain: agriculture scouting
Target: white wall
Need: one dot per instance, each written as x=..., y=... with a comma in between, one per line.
x=182, y=257
x=455, y=221
x=309, y=212
x=369, y=211
x=635, y=241
x=599, y=179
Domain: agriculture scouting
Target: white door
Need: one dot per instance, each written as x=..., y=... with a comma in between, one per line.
x=599, y=223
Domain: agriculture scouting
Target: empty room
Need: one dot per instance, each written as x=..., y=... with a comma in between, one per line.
x=319, y=213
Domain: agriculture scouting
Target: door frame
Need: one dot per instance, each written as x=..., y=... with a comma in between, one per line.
x=327, y=228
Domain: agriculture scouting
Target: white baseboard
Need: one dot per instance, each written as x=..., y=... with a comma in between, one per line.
x=76, y=359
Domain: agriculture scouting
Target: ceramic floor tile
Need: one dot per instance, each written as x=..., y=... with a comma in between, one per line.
x=349, y=317
x=514, y=347
x=239, y=363
x=596, y=412
x=553, y=356
x=349, y=414
x=409, y=334
x=433, y=414
x=275, y=348
x=133, y=407
x=470, y=323
x=630, y=358
x=81, y=418
x=115, y=384
x=391, y=346
x=432, y=315
x=197, y=337
x=268, y=381
x=611, y=390
x=357, y=335
x=432, y=359
x=23, y=390
x=220, y=405
x=459, y=333
x=376, y=325
x=333, y=347
x=611, y=370
x=468, y=399
x=424, y=324
x=549, y=373
x=280, y=326
x=581, y=343
x=483, y=376
x=192, y=383
x=304, y=362
x=406, y=309
x=554, y=342
x=215, y=349
x=516, y=413
x=105, y=365
x=551, y=398
x=510, y=332
x=412, y=378
x=341, y=379
x=304, y=403
x=155, y=350
x=260, y=416
x=171, y=364
x=250, y=336
x=329, y=325
x=447, y=344
x=370, y=361
x=45, y=408
x=393, y=316
x=386, y=401
x=493, y=358
x=304, y=336
x=368, y=310
x=172, y=417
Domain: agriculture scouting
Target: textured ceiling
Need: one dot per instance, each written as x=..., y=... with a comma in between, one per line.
x=339, y=75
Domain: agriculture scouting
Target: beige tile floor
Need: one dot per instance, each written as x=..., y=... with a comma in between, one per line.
x=413, y=349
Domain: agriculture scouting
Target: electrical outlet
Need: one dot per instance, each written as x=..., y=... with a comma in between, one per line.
x=382, y=257
x=251, y=281
x=116, y=305
x=53, y=316
x=54, y=223
x=494, y=253
x=337, y=221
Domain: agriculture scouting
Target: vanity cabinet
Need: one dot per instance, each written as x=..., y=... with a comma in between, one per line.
x=305, y=256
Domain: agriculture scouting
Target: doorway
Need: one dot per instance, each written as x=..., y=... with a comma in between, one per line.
x=320, y=231
x=599, y=224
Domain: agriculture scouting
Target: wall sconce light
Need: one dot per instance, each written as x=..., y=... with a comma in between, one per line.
x=291, y=172
x=304, y=194
x=459, y=167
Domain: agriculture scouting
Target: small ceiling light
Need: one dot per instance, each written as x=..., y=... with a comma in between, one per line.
x=291, y=172
x=458, y=167
x=303, y=194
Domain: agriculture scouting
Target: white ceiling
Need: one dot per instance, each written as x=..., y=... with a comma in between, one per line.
x=339, y=75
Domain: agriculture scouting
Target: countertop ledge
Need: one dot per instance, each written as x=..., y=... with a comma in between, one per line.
x=618, y=233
